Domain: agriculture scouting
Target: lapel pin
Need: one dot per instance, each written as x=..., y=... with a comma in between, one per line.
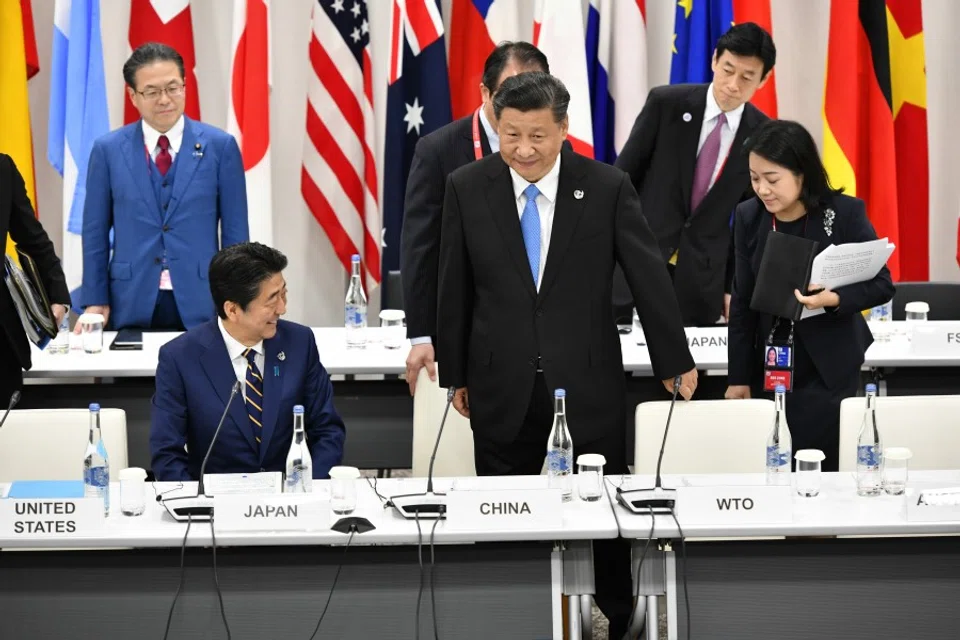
x=281, y=356
x=687, y=117
x=197, y=151
x=578, y=194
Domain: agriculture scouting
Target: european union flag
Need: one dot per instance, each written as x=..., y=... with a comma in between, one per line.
x=697, y=27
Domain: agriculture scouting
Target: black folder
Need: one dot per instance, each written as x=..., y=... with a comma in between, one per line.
x=784, y=266
x=30, y=298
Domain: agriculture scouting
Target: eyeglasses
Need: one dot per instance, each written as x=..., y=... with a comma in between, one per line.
x=172, y=91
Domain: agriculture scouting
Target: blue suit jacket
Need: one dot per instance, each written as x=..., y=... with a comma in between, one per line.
x=194, y=378
x=208, y=189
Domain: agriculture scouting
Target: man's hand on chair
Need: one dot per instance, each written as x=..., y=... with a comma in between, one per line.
x=688, y=384
x=420, y=356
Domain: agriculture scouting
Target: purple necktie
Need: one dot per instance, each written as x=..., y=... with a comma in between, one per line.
x=706, y=163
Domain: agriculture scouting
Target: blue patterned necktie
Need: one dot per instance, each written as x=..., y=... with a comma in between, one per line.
x=530, y=227
x=254, y=394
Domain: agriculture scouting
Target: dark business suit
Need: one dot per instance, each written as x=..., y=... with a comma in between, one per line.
x=436, y=156
x=830, y=348
x=496, y=329
x=660, y=155
x=194, y=379
x=17, y=218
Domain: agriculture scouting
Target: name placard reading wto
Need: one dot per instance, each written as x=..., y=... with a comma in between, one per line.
x=735, y=505
x=302, y=512
x=504, y=510
x=51, y=518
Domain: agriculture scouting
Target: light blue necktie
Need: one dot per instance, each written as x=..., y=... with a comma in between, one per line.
x=530, y=227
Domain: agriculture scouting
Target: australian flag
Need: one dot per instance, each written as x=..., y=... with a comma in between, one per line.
x=418, y=102
x=697, y=27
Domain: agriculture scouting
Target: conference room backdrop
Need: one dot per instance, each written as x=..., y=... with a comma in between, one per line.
x=316, y=277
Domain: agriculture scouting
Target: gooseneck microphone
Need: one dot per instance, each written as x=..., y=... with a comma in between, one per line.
x=657, y=499
x=15, y=398
x=427, y=505
x=199, y=507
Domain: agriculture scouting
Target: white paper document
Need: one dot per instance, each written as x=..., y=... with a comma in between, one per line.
x=842, y=264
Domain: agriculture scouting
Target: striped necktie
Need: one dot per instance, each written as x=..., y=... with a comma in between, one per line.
x=254, y=393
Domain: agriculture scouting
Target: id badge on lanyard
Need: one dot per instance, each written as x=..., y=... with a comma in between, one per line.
x=477, y=148
x=778, y=360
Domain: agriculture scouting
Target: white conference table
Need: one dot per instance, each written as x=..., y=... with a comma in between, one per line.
x=887, y=575
x=504, y=583
x=708, y=345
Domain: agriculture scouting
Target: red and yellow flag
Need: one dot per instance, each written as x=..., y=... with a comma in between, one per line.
x=859, y=149
x=758, y=11
x=908, y=80
x=15, y=137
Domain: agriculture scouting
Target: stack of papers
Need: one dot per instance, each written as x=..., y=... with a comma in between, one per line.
x=840, y=265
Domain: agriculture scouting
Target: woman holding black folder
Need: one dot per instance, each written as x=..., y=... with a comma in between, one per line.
x=17, y=218
x=818, y=358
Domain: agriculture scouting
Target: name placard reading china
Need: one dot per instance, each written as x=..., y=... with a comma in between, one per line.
x=504, y=510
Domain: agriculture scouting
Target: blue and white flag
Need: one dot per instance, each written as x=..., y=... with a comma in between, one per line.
x=78, y=116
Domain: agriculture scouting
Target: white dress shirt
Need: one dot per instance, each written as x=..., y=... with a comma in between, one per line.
x=237, y=359
x=546, y=202
x=727, y=133
x=492, y=136
x=174, y=135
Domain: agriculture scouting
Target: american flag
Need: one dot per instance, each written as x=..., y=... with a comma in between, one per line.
x=339, y=175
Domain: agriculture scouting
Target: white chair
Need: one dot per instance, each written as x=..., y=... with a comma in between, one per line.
x=928, y=425
x=706, y=436
x=455, y=455
x=48, y=444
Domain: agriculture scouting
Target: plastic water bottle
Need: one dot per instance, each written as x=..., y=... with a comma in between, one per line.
x=61, y=344
x=299, y=476
x=560, y=449
x=869, y=449
x=779, y=443
x=355, y=309
x=96, y=464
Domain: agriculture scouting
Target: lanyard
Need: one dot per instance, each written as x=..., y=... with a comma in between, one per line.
x=477, y=149
x=774, y=218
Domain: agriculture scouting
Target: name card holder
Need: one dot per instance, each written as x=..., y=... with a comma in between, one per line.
x=504, y=510
x=935, y=338
x=52, y=518
x=749, y=504
x=263, y=512
x=931, y=512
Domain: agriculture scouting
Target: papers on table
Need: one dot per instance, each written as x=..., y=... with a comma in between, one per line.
x=221, y=484
x=840, y=265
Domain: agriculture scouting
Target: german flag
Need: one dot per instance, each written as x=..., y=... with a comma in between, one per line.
x=908, y=80
x=858, y=132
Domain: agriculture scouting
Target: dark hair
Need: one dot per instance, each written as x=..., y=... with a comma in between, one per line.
x=790, y=145
x=149, y=53
x=524, y=54
x=751, y=40
x=237, y=272
x=530, y=91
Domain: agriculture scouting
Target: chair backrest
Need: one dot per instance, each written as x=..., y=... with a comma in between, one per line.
x=943, y=298
x=48, y=444
x=706, y=436
x=455, y=455
x=393, y=291
x=928, y=425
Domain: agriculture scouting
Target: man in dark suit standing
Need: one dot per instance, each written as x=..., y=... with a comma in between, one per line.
x=435, y=157
x=528, y=246
x=17, y=219
x=684, y=157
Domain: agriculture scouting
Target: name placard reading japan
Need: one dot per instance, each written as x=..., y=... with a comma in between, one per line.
x=504, y=510
x=304, y=512
x=707, y=344
x=47, y=518
x=735, y=505
x=936, y=338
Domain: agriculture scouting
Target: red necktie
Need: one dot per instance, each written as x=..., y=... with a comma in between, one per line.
x=164, y=160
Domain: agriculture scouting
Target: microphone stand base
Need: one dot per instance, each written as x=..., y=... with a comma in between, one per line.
x=419, y=506
x=184, y=508
x=643, y=501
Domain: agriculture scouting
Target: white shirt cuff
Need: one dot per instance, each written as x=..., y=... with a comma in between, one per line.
x=421, y=340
